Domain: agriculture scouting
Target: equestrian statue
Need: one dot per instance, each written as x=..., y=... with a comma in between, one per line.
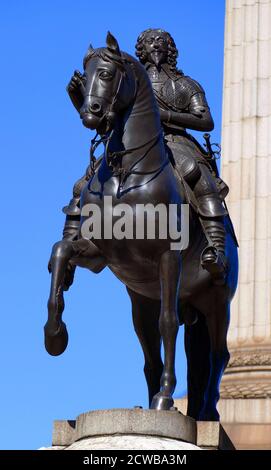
x=141, y=110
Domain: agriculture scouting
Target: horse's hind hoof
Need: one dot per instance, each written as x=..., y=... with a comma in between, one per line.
x=161, y=402
x=56, y=344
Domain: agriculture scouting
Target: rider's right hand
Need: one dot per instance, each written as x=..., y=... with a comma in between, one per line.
x=76, y=82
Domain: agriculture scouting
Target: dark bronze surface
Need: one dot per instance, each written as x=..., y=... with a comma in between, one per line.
x=114, y=96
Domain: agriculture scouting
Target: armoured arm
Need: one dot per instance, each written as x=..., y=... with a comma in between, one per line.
x=196, y=113
x=197, y=118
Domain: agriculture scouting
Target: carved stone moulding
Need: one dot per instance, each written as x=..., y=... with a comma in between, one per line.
x=249, y=357
x=245, y=390
x=248, y=374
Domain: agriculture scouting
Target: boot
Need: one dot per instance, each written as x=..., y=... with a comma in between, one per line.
x=213, y=257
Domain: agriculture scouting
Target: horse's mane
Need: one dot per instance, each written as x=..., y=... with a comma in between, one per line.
x=109, y=56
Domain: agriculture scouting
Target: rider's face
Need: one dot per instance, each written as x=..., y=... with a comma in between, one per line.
x=156, y=47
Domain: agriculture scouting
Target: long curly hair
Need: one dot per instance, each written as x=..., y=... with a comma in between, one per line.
x=172, y=49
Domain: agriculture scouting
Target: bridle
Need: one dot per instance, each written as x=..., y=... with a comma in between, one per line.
x=114, y=159
x=106, y=139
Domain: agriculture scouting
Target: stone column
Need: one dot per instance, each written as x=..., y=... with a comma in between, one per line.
x=246, y=167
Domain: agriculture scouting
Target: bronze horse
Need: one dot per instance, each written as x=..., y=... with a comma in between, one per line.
x=167, y=287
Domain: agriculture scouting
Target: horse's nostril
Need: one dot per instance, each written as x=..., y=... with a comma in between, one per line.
x=95, y=107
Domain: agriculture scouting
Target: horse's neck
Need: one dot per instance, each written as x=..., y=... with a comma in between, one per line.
x=142, y=121
x=142, y=126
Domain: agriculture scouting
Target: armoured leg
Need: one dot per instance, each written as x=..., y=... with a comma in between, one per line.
x=70, y=232
x=71, y=227
x=211, y=212
x=213, y=256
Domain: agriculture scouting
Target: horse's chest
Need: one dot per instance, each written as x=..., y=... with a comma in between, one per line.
x=136, y=189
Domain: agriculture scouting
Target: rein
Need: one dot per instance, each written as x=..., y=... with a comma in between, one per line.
x=115, y=158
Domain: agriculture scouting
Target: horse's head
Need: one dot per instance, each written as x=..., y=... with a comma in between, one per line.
x=109, y=88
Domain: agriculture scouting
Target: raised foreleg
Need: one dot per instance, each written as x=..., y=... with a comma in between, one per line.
x=56, y=335
x=65, y=255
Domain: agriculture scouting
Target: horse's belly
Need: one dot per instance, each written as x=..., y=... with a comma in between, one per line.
x=143, y=281
x=143, y=278
x=135, y=264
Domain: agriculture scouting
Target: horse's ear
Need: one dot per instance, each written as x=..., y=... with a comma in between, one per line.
x=112, y=44
x=90, y=49
x=88, y=54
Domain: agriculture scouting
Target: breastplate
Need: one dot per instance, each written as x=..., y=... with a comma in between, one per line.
x=176, y=94
x=157, y=79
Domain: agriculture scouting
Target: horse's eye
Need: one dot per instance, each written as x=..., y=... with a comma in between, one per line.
x=105, y=75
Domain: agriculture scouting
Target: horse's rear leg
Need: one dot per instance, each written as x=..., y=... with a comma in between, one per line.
x=146, y=323
x=56, y=335
x=197, y=349
x=170, y=269
x=217, y=322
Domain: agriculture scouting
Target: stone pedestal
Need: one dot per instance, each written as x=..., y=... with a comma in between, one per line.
x=246, y=167
x=137, y=429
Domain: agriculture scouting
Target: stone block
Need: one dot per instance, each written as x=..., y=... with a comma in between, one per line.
x=63, y=432
x=211, y=435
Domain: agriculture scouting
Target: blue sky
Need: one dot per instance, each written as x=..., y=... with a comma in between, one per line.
x=44, y=149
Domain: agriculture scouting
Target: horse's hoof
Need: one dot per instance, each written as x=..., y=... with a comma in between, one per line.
x=162, y=402
x=56, y=344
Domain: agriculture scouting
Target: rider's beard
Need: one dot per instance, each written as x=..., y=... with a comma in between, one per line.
x=158, y=57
